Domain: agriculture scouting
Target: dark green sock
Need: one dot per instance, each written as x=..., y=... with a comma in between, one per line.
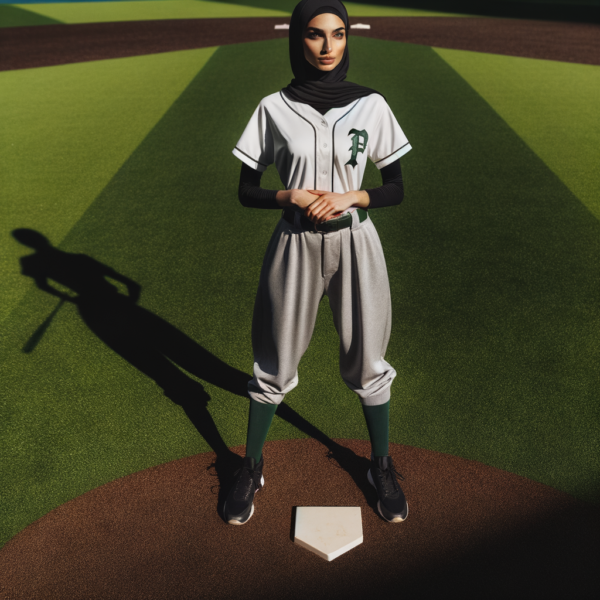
x=259, y=423
x=378, y=424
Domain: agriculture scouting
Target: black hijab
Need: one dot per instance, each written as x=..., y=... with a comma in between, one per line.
x=320, y=89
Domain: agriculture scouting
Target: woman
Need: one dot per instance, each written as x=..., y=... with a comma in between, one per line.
x=319, y=131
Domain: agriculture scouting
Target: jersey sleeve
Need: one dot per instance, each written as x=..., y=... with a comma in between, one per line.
x=388, y=142
x=255, y=147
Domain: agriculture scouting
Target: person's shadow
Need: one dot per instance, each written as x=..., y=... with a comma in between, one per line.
x=157, y=349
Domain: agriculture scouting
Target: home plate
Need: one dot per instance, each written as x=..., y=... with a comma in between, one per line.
x=328, y=531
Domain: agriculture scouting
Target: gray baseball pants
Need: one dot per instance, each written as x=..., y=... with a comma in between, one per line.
x=298, y=269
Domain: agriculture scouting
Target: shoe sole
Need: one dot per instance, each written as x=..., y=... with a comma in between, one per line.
x=395, y=519
x=238, y=521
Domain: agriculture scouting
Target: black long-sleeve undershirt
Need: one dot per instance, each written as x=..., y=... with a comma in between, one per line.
x=390, y=193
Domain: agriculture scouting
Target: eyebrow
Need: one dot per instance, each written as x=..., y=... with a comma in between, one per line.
x=321, y=31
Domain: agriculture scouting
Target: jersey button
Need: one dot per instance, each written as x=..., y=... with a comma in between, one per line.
x=324, y=123
x=324, y=172
x=324, y=145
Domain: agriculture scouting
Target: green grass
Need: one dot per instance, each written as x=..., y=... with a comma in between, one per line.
x=552, y=106
x=492, y=262
x=139, y=10
x=14, y=16
x=356, y=9
x=65, y=131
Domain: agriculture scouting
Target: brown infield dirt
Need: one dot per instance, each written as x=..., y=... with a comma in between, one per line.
x=39, y=46
x=473, y=531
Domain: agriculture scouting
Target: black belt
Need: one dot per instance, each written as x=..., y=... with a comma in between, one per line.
x=327, y=226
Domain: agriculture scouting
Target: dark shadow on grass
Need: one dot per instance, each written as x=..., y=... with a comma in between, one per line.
x=145, y=340
x=551, y=10
x=14, y=16
x=157, y=349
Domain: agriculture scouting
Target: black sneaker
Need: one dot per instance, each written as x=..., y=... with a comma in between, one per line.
x=239, y=506
x=392, y=504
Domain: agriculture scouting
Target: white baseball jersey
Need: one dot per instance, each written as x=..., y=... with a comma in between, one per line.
x=322, y=152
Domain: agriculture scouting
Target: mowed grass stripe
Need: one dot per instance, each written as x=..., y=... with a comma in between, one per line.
x=64, y=133
x=145, y=10
x=493, y=283
x=15, y=16
x=552, y=106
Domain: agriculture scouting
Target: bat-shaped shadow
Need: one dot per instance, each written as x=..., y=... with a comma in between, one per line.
x=156, y=348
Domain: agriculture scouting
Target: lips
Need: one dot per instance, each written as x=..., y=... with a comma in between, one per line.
x=327, y=61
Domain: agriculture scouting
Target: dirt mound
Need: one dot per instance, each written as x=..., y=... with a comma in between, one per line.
x=158, y=534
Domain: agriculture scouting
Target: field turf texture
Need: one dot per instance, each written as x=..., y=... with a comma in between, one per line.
x=493, y=263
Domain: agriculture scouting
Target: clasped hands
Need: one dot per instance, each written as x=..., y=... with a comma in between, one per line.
x=327, y=205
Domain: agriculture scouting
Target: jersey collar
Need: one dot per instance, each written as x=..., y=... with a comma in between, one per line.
x=313, y=116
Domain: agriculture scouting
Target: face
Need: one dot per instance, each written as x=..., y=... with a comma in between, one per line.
x=324, y=41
